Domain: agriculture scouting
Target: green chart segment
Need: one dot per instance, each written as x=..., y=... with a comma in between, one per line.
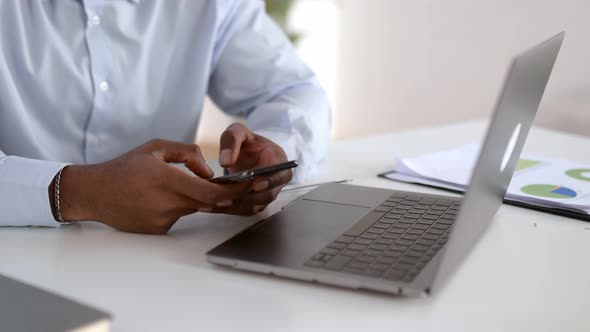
x=579, y=174
x=549, y=191
x=526, y=163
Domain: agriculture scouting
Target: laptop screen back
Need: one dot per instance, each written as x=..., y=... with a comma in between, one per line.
x=514, y=113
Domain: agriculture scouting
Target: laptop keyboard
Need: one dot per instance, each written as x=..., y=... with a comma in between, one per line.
x=395, y=241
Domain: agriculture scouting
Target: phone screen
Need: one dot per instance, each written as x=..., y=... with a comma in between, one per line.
x=253, y=173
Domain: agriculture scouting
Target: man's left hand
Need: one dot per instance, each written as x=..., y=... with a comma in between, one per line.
x=240, y=150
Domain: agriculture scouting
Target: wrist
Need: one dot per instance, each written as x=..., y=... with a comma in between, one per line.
x=75, y=194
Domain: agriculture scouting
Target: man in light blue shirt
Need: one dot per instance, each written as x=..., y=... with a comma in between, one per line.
x=92, y=83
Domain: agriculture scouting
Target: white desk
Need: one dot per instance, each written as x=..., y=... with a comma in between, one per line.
x=529, y=273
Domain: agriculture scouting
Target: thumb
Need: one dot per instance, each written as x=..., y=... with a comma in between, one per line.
x=187, y=154
x=231, y=142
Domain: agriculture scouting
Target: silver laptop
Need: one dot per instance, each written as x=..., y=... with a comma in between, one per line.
x=404, y=243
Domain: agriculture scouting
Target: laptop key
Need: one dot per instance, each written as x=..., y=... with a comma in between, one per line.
x=430, y=236
x=390, y=236
x=440, y=226
x=420, y=247
x=428, y=200
x=414, y=253
x=364, y=224
x=376, y=230
x=345, y=239
x=326, y=258
x=396, y=230
x=382, y=225
x=370, y=236
x=386, y=260
x=379, y=247
x=415, y=231
x=338, y=262
x=384, y=240
x=409, y=260
x=363, y=241
x=425, y=242
x=393, y=254
x=411, y=237
x=445, y=202
x=350, y=252
x=404, y=242
x=382, y=209
x=366, y=259
x=435, y=231
x=446, y=221
x=329, y=251
x=336, y=245
x=421, y=226
x=357, y=246
x=371, y=252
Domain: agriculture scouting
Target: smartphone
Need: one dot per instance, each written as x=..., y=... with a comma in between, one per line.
x=253, y=173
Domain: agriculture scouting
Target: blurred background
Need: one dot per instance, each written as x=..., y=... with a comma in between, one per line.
x=407, y=64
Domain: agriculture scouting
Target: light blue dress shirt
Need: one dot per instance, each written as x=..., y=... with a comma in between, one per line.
x=83, y=81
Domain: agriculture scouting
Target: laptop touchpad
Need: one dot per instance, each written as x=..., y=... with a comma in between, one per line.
x=291, y=236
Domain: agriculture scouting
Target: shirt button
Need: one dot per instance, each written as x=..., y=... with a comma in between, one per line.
x=104, y=86
x=95, y=20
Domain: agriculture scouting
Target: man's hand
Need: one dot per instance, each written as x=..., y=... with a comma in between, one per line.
x=140, y=192
x=241, y=149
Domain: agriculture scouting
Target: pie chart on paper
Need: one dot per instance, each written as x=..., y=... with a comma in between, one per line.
x=549, y=191
x=579, y=174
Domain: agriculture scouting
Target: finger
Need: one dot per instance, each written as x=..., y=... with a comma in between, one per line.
x=208, y=193
x=272, y=181
x=238, y=210
x=188, y=154
x=261, y=198
x=230, y=143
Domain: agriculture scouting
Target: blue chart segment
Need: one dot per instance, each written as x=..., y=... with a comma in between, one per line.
x=564, y=191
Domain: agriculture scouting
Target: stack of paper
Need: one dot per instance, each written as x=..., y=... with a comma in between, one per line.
x=541, y=182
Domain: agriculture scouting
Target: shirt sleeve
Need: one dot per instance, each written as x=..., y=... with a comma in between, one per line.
x=257, y=74
x=24, y=196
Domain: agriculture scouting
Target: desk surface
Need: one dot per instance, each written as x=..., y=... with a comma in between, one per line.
x=529, y=272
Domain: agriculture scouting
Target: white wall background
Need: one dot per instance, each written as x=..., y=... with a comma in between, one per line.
x=399, y=64
x=415, y=63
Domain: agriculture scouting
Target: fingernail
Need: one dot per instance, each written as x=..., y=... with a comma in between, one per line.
x=211, y=171
x=261, y=186
x=205, y=210
x=225, y=157
x=224, y=203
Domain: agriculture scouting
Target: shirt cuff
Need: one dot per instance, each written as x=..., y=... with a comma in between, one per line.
x=288, y=143
x=24, y=191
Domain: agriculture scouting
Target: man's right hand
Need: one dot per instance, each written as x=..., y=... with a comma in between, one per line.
x=140, y=192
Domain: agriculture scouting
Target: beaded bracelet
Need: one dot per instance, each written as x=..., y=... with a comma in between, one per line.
x=60, y=219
